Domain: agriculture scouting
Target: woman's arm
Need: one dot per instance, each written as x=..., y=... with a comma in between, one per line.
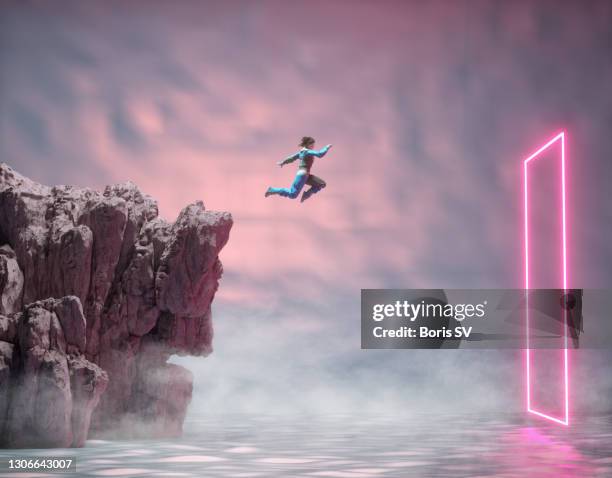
x=289, y=159
x=319, y=154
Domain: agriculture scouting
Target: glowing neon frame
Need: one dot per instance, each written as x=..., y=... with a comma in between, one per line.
x=564, y=420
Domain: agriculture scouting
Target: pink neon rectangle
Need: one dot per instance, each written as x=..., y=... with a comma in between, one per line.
x=560, y=138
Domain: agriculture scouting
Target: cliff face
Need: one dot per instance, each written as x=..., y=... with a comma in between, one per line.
x=138, y=289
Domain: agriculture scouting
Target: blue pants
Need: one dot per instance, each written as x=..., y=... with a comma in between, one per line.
x=301, y=178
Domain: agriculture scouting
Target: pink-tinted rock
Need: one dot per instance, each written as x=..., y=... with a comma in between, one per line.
x=189, y=269
x=7, y=363
x=70, y=314
x=87, y=382
x=123, y=277
x=106, y=217
x=8, y=327
x=11, y=281
x=161, y=398
x=70, y=258
x=48, y=405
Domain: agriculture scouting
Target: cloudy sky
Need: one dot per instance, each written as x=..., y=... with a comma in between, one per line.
x=431, y=106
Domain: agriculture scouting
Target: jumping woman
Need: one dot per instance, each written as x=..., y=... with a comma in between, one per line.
x=306, y=155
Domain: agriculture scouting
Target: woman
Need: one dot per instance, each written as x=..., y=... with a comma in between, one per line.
x=306, y=156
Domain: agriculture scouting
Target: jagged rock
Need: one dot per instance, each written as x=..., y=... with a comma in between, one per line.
x=87, y=382
x=8, y=328
x=189, y=269
x=160, y=395
x=70, y=314
x=7, y=363
x=44, y=402
x=138, y=279
x=11, y=281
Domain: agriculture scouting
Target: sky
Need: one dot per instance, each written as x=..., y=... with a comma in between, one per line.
x=430, y=106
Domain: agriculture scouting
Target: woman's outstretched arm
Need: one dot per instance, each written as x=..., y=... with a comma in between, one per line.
x=319, y=154
x=289, y=159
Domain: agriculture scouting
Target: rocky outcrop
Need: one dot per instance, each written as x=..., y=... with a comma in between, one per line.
x=11, y=281
x=49, y=389
x=143, y=288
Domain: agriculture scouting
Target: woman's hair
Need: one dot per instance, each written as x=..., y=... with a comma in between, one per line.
x=306, y=140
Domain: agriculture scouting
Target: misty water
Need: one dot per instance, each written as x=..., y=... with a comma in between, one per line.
x=354, y=447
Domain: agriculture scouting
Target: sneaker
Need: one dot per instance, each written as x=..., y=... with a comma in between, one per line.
x=268, y=192
x=305, y=195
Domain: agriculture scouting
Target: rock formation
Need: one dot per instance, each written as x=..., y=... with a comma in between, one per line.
x=96, y=293
x=48, y=389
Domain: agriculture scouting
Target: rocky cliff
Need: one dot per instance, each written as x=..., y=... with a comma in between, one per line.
x=96, y=293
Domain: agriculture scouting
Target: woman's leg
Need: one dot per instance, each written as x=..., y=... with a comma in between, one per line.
x=315, y=183
x=294, y=190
